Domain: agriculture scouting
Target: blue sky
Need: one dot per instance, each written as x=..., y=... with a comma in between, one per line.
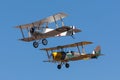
x=98, y=20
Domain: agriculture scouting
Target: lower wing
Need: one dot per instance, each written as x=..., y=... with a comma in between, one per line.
x=81, y=57
x=53, y=33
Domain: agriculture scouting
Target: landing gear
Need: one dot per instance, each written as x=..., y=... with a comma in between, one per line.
x=59, y=66
x=67, y=65
x=44, y=41
x=35, y=44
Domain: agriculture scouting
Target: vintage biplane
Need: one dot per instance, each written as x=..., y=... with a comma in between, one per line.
x=39, y=30
x=62, y=57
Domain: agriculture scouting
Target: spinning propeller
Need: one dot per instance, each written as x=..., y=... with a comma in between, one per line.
x=72, y=32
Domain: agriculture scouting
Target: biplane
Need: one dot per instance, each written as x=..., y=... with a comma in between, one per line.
x=38, y=31
x=62, y=57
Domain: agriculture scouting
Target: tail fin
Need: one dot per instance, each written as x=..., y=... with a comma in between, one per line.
x=97, y=50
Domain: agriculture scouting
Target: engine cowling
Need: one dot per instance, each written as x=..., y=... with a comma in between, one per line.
x=58, y=56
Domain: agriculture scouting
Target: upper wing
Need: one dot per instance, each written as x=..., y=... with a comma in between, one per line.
x=54, y=17
x=69, y=45
x=47, y=20
x=46, y=35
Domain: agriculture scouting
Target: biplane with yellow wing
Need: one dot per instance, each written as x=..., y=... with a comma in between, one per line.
x=39, y=30
x=62, y=57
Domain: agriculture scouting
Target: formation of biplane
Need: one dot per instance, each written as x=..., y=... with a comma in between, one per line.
x=38, y=32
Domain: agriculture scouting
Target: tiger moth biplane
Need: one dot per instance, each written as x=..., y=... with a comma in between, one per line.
x=39, y=30
x=62, y=57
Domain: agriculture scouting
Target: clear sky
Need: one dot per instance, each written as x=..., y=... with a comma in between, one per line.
x=99, y=21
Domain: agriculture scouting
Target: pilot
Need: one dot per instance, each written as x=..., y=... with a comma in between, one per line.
x=63, y=55
x=72, y=52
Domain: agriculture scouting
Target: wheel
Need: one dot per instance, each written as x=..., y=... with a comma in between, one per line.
x=67, y=65
x=44, y=42
x=59, y=66
x=35, y=44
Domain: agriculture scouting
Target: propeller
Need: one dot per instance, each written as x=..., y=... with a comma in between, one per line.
x=73, y=36
x=72, y=32
x=32, y=30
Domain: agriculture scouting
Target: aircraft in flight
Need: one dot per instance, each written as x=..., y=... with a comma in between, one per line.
x=62, y=57
x=38, y=31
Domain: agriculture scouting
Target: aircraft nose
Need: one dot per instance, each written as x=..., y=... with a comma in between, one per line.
x=32, y=30
x=53, y=55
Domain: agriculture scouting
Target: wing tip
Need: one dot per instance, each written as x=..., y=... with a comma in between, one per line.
x=16, y=27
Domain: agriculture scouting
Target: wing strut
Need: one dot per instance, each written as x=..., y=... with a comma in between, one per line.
x=29, y=35
x=83, y=50
x=55, y=22
x=48, y=54
x=22, y=32
x=47, y=25
x=62, y=21
x=78, y=49
x=33, y=24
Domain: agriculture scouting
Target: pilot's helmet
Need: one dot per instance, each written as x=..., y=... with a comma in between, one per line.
x=72, y=51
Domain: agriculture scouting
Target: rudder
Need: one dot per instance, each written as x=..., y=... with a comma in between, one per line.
x=97, y=50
